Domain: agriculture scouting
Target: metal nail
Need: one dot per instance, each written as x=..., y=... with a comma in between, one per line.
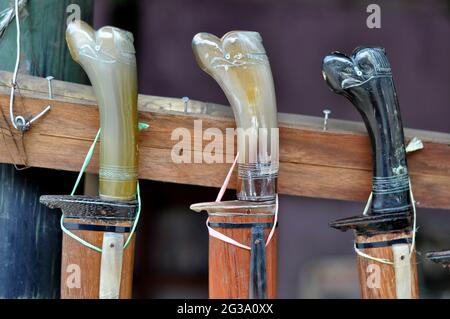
x=185, y=100
x=50, y=91
x=325, y=119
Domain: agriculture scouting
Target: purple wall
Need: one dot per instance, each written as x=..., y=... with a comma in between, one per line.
x=297, y=35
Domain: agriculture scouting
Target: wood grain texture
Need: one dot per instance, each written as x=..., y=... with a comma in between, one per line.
x=335, y=164
x=89, y=262
x=229, y=266
x=373, y=272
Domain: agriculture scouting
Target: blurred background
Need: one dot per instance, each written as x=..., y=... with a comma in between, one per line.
x=315, y=261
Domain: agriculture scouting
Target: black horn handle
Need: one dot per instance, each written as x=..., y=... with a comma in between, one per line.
x=366, y=80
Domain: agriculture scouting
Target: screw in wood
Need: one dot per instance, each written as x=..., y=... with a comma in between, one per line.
x=185, y=100
x=50, y=90
x=326, y=113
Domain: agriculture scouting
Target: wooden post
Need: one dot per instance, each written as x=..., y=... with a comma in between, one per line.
x=399, y=280
x=388, y=269
x=90, y=262
x=236, y=272
x=30, y=238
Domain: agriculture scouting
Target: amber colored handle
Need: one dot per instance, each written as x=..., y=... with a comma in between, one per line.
x=239, y=64
x=108, y=57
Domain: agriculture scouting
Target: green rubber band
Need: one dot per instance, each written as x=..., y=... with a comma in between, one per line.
x=86, y=161
x=141, y=126
x=89, y=245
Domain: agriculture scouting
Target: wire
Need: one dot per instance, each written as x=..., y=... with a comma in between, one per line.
x=16, y=67
x=24, y=124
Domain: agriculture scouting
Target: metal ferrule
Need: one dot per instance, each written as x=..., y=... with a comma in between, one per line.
x=257, y=182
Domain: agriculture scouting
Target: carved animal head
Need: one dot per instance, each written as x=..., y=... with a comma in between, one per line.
x=343, y=73
x=108, y=44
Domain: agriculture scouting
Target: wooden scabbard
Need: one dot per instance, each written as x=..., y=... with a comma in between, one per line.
x=78, y=259
x=229, y=265
x=90, y=218
x=378, y=280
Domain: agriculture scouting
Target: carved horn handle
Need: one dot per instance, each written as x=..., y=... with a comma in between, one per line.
x=366, y=80
x=108, y=57
x=239, y=64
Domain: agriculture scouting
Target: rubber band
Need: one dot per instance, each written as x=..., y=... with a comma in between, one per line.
x=218, y=235
x=369, y=201
x=227, y=179
x=413, y=240
x=87, y=159
x=380, y=260
x=93, y=247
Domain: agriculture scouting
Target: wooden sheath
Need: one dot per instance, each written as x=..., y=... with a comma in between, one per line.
x=77, y=255
x=229, y=266
x=378, y=280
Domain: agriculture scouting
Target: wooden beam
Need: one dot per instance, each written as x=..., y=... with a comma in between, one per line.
x=334, y=164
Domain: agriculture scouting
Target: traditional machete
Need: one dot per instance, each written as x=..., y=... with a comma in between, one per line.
x=239, y=64
x=108, y=57
x=385, y=232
